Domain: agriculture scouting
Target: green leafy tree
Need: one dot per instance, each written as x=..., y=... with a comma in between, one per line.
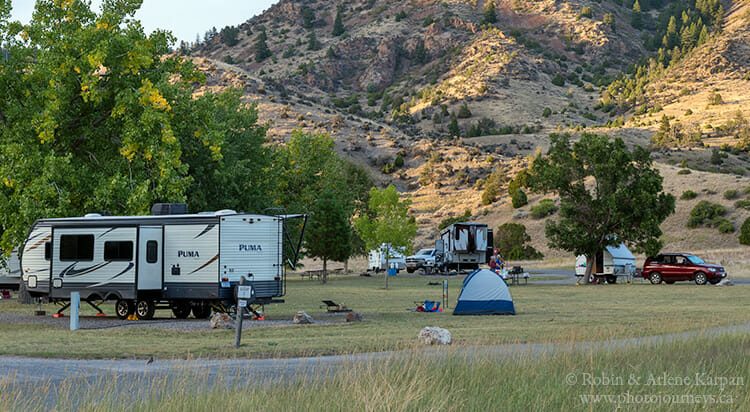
x=390, y=223
x=338, y=25
x=96, y=115
x=608, y=195
x=328, y=236
x=489, y=16
x=308, y=167
x=511, y=242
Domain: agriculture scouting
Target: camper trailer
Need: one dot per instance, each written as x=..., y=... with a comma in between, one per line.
x=377, y=260
x=610, y=263
x=10, y=271
x=184, y=262
x=463, y=246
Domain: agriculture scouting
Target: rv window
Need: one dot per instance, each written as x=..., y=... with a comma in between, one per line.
x=151, y=252
x=118, y=251
x=47, y=250
x=77, y=247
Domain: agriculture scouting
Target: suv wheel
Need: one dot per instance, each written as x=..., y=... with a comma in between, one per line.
x=700, y=278
x=655, y=277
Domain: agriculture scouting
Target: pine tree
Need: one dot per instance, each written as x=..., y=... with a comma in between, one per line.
x=338, y=25
x=312, y=41
x=262, y=51
x=636, y=19
x=490, y=13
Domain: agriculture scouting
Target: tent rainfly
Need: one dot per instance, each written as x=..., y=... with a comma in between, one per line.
x=484, y=292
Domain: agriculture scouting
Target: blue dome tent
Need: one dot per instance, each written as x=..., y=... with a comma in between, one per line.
x=484, y=292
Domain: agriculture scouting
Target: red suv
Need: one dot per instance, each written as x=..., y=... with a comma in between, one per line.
x=671, y=267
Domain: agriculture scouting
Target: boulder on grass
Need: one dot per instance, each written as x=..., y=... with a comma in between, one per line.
x=725, y=282
x=431, y=335
x=354, y=317
x=302, y=318
x=221, y=321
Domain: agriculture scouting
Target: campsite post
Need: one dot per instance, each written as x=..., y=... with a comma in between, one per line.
x=445, y=294
x=243, y=293
x=75, y=305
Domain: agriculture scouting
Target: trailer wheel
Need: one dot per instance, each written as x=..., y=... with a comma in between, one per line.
x=181, y=310
x=201, y=310
x=144, y=309
x=611, y=279
x=124, y=308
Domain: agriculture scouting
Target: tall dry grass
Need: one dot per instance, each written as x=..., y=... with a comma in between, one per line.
x=447, y=379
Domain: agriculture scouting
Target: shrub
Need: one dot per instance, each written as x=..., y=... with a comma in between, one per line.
x=490, y=194
x=730, y=194
x=545, y=208
x=521, y=180
x=688, y=195
x=510, y=240
x=586, y=12
x=399, y=162
x=519, y=199
x=705, y=211
x=684, y=172
x=558, y=80
x=742, y=204
x=725, y=226
x=464, y=112
x=547, y=112
x=745, y=232
x=715, y=98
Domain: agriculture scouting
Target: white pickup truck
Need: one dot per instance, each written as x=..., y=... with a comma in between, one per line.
x=424, y=259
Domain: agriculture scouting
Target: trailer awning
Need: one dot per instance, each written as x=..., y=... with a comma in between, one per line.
x=621, y=256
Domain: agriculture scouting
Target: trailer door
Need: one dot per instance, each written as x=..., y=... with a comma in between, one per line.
x=150, y=258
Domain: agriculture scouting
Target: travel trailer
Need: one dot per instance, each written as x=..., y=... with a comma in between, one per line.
x=463, y=246
x=10, y=271
x=610, y=263
x=170, y=260
x=377, y=260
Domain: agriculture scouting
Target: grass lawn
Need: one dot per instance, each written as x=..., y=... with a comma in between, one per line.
x=562, y=313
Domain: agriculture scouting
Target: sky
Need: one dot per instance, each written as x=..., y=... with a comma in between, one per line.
x=184, y=18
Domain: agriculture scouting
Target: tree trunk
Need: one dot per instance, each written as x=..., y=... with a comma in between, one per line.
x=23, y=296
x=590, y=262
x=386, y=271
x=346, y=267
x=325, y=271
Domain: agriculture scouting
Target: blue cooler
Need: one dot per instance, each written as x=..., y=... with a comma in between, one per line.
x=391, y=272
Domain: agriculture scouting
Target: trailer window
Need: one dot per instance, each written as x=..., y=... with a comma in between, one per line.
x=151, y=251
x=118, y=251
x=47, y=250
x=76, y=247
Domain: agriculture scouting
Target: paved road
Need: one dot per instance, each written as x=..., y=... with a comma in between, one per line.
x=80, y=379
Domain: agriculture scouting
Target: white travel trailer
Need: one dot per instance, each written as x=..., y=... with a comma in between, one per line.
x=10, y=271
x=609, y=263
x=377, y=260
x=463, y=246
x=184, y=262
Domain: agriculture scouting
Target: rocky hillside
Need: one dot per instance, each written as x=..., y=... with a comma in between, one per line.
x=459, y=90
